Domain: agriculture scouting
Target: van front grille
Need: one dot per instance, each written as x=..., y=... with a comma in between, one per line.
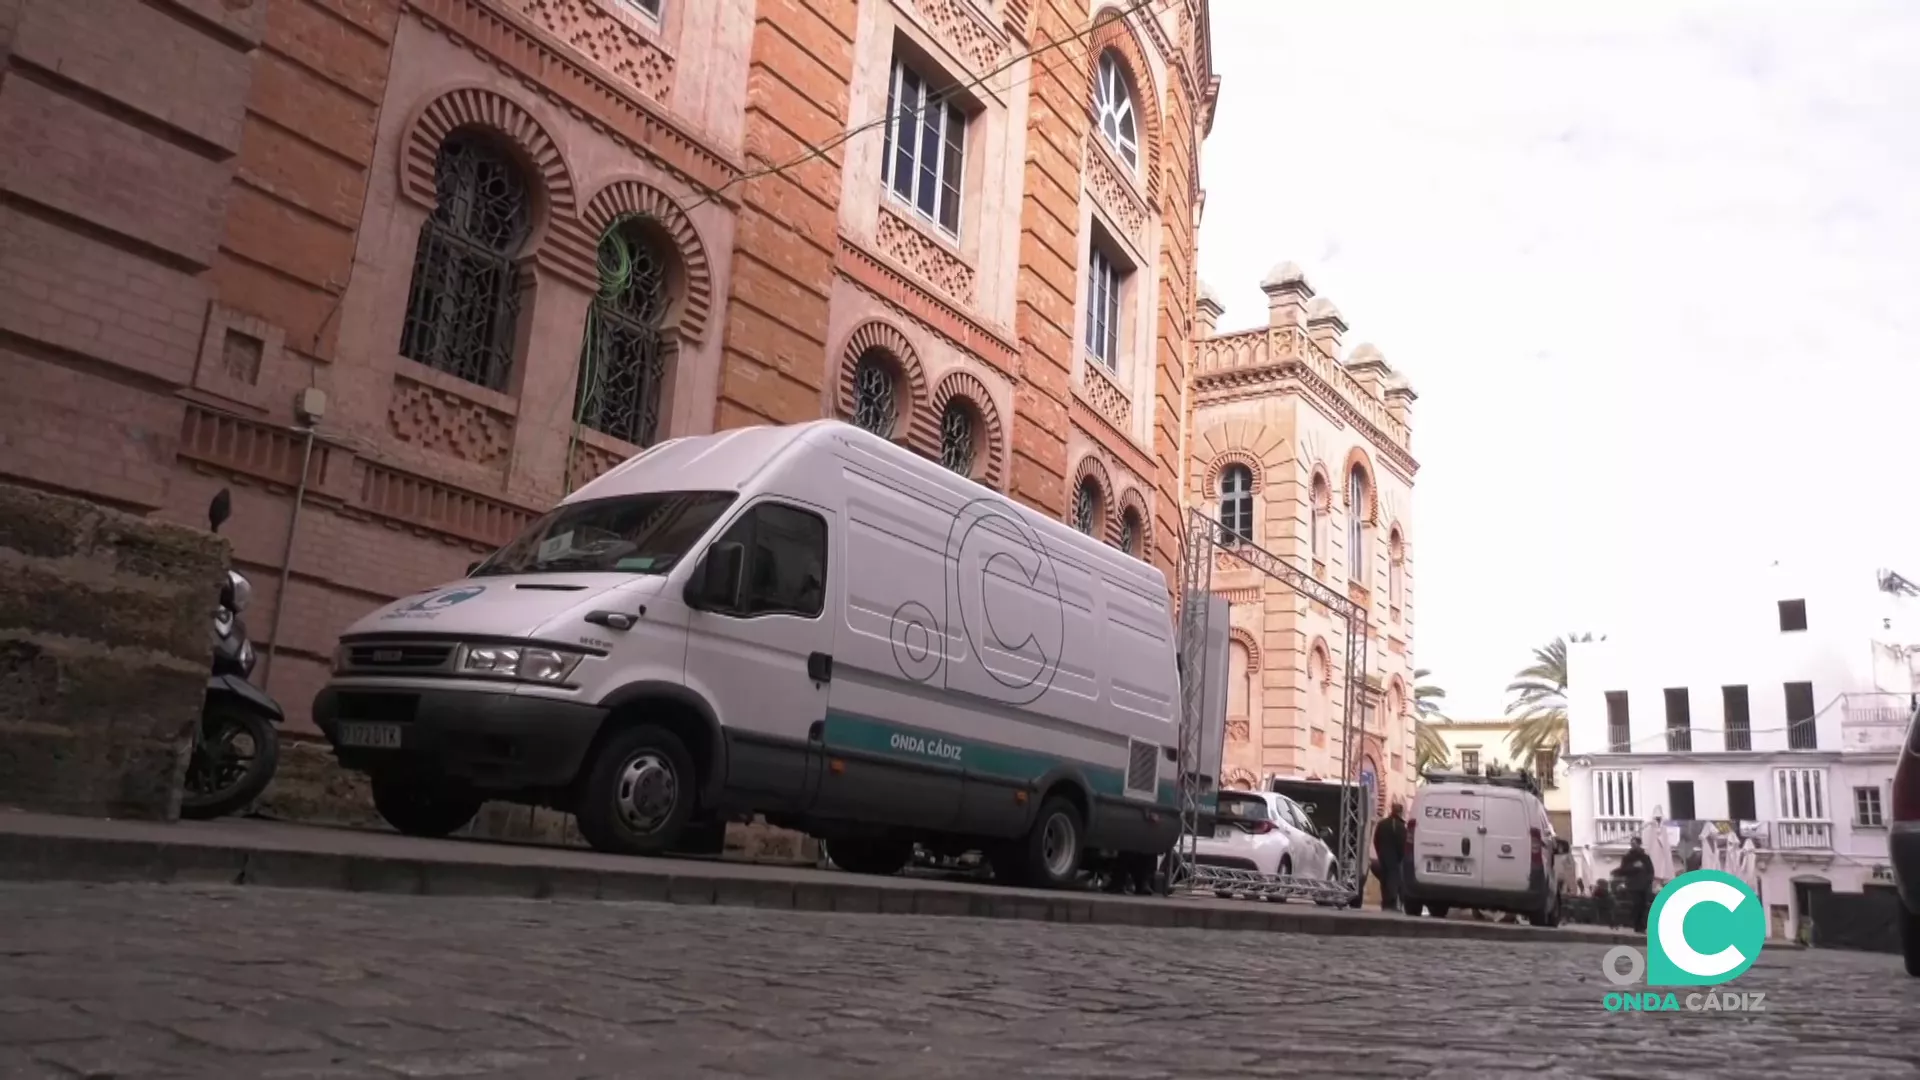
x=399, y=657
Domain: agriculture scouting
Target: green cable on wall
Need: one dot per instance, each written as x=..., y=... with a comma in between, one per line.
x=614, y=257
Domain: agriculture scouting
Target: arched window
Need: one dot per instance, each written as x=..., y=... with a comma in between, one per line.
x=1113, y=109
x=875, y=394
x=1086, y=506
x=1239, y=680
x=1319, y=504
x=1396, y=569
x=1236, y=503
x=1131, y=532
x=957, y=426
x=464, y=301
x=1357, y=524
x=625, y=368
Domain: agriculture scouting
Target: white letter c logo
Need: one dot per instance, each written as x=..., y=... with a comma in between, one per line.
x=1672, y=928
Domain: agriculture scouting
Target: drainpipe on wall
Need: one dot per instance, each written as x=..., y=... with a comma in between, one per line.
x=310, y=407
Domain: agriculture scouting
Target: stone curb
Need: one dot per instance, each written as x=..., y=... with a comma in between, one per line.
x=36, y=857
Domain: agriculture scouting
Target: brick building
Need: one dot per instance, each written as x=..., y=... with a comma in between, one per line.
x=513, y=240
x=1303, y=445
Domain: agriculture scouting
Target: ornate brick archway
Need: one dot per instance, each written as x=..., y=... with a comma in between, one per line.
x=636, y=198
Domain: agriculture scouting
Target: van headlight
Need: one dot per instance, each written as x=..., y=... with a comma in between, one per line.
x=531, y=663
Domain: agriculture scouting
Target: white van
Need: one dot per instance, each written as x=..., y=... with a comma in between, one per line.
x=805, y=622
x=1481, y=842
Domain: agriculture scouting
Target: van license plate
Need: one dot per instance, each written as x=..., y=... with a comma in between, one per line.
x=374, y=736
x=1223, y=832
x=1449, y=866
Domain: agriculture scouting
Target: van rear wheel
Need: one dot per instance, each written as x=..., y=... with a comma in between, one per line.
x=639, y=793
x=1049, y=857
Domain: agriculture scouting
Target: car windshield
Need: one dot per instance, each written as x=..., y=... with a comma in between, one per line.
x=632, y=534
x=1251, y=807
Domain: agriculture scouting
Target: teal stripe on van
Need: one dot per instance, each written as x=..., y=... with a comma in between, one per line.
x=887, y=739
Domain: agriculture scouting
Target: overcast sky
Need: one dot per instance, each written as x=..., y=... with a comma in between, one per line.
x=1651, y=267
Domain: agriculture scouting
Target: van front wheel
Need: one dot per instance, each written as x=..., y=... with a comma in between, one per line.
x=639, y=793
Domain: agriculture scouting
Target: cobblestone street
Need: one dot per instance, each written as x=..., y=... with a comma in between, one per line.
x=148, y=981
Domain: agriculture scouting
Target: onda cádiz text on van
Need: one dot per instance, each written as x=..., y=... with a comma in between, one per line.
x=925, y=747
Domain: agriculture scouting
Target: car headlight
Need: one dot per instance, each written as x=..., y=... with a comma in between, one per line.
x=530, y=662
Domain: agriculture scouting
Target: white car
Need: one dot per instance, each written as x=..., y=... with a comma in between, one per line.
x=1268, y=833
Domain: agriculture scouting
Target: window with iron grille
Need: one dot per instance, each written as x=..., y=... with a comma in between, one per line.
x=625, y=373
x=1801, y=734
x=1130, y=533
x=875, y=385
x=1236, y=504
x=1619, y=724
x=1737, y=720
x=957, y=426
x=925, y=148
x=1103, y=309
x=1679, y=720
x=464, y=300
x=1086, y=507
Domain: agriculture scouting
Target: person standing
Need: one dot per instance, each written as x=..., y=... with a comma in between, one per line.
x=1389, y=848
x=1636, y=872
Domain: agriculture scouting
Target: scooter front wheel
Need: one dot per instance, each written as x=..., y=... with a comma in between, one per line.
x=234, y=759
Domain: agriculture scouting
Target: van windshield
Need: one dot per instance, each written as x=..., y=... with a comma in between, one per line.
x=633, y=534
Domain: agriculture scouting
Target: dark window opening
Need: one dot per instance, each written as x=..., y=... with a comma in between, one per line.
x=1793, y=616
x=1740, y=801
x=1680, y=801
x=1739, y=722
x=1800, y=730
x=1679, y=720
x=1619, y=728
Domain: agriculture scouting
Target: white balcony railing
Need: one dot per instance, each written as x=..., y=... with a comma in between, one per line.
x=1802, y=836
x=1615, y=830
x=1875, y=722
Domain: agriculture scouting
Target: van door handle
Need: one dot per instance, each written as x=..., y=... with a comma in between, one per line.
x=820, y=667
x=1482, y=830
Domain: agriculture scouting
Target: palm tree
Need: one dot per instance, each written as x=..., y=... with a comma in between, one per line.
x=1540, y=700
x=1429, y=749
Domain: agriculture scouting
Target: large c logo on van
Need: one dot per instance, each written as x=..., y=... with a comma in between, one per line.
x=429, y=606
x=1018, y=647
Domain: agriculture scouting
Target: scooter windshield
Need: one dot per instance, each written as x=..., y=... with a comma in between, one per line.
x=637, y=534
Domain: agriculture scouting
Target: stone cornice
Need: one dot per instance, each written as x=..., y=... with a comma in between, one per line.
x=508, y=42
x=1264, y=375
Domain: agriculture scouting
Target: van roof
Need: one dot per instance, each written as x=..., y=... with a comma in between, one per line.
x=730, y=460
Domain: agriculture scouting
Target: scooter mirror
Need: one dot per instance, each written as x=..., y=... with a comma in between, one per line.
x=220, y=509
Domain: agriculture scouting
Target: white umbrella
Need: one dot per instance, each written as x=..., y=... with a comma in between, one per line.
x=1653, y=836
x=1713, y=850
x=1743, y=865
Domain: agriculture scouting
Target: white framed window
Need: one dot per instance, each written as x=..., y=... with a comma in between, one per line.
x=1113, y=109
x=1616, y=793
x=926, y=148
x=650, y=8
x=1357, y=525
x=1470, y=762
x=1103, y=308
x=1236, y=503
x=1868, y=812
x=1800, y=794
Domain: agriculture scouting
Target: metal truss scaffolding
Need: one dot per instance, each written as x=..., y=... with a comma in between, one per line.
x=1207, y=542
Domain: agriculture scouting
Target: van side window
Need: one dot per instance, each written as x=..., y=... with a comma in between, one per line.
x=786, y=564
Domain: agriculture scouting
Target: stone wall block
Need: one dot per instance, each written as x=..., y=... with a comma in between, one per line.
x=104, y=649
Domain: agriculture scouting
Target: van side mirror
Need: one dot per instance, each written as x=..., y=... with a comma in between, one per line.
x=474, y=565
x=1561, y=847
x=717, y=583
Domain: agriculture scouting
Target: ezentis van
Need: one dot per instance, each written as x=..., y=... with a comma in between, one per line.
x=805, y=622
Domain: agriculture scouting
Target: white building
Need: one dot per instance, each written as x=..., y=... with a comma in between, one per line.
x=1775, y=718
